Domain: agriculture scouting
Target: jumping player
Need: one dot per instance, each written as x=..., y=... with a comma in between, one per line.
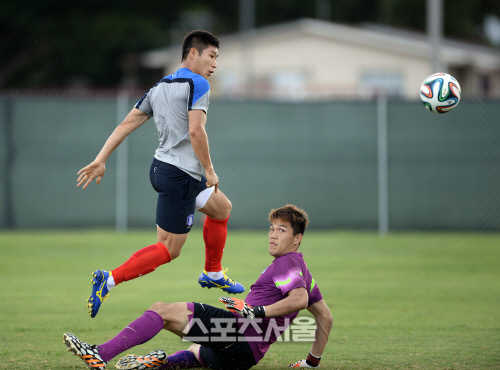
x=179, y=104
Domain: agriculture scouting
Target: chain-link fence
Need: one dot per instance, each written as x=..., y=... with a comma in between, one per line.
x=435, y=172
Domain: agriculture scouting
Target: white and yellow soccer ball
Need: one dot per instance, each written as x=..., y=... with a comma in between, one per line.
x=440, y=92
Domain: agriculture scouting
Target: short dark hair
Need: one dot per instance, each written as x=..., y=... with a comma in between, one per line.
x=297, y=217
x=199, y=40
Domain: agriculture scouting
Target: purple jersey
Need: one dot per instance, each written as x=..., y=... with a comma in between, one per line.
x=286, y=273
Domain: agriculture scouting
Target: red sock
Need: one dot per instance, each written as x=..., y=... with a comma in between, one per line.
x=142, y=262
x=214, y=235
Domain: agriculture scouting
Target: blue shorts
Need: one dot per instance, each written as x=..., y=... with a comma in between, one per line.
x=177, y=192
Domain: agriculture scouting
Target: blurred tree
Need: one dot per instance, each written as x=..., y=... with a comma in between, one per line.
x=94, y=43
x=51, y=43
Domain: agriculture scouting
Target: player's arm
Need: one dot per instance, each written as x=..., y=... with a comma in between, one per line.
x=133, y=121
x=296, y=300
x=324, y=322
x=199, y=141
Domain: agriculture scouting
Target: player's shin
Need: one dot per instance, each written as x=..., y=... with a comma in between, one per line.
x=214, y=235
x=139, y=331
x=142, y=262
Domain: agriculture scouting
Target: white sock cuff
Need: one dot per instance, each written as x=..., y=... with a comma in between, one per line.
x=215, y=275
x=110, y=283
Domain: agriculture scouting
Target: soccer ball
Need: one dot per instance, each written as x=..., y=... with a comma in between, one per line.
x=440, y=93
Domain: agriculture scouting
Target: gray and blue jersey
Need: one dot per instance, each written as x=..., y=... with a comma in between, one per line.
x=169, y=102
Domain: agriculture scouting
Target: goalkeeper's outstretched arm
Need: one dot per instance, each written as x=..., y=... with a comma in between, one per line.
x=324, y=322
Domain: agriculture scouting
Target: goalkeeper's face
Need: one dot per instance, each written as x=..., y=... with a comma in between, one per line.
x=281, y=238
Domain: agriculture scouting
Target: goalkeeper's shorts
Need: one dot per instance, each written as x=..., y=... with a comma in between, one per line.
x=222, y=345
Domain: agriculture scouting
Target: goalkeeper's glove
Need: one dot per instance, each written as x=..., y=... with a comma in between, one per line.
x=243, y=308
x=311, y=361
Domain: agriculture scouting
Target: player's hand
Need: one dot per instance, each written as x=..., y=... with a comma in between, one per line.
x=212, y=179
x=301, y=363
x=243, y=308
x=90, y=172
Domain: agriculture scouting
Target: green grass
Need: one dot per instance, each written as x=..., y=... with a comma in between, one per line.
x=425, y=301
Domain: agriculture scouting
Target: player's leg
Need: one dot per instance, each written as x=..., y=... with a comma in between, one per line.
x=217, y=207
x=139, y=331
x=196, y=322
x=195, y=350
x=173, y=317
x=201, y=324
x=159, y=360
x=176, y=317
x=174, y=218
x=214, y=204
x=140, y=263
x=147, y=259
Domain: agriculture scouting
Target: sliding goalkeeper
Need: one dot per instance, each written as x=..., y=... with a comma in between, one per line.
x=234, y=339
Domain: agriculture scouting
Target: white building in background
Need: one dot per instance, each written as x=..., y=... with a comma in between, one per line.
x=310, y=59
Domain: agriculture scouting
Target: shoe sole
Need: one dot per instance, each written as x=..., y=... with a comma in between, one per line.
x=204, y=284
x=97, y=281
x=124, y=363
x=77, y=350
x=71, y=345
x=223, y=289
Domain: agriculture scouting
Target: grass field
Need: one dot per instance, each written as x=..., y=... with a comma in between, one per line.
x=424, y=301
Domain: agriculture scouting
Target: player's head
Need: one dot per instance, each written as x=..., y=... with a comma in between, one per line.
x=200, y=52
x=287, y=227
x=295, y=216
x=200, y=40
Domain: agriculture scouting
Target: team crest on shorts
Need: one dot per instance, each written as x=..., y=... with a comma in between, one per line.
x=190, y=220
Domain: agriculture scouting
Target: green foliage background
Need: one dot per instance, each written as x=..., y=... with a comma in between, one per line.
x=97, y=43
